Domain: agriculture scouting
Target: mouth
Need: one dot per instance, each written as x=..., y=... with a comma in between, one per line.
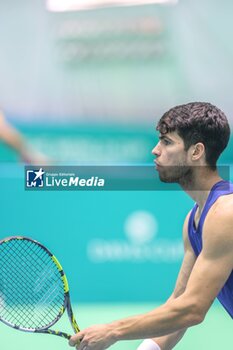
x=157, y=165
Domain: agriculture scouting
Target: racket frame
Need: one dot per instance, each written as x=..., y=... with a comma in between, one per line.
x=66, y=305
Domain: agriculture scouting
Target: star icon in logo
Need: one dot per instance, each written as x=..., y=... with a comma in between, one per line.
x=39, y=174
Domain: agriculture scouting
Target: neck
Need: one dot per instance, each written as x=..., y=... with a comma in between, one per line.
x=199, y=185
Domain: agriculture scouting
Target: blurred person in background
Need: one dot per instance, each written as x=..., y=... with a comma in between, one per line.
x=15, y=140
x=192, y=137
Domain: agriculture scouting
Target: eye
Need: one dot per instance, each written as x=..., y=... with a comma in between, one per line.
x=166, y=142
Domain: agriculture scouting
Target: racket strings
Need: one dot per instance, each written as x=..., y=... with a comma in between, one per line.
x=32, y=291
x=20, y=277
x=30, y=285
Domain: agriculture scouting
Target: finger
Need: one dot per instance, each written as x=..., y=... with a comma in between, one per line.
x=78, y=347
x=81, y=346
x=75, y=339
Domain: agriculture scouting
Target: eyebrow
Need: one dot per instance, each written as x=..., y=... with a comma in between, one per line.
x=162, y=137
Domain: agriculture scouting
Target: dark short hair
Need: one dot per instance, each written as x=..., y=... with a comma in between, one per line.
x=198, y=122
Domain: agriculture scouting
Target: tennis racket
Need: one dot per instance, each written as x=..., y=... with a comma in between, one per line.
x=34, y=291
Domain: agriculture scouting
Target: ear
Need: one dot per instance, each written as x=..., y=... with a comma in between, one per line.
x=197, y=151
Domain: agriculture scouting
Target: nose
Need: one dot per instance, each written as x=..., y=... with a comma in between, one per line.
x=156, y=150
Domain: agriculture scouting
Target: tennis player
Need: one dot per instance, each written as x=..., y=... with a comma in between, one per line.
x=192, y=137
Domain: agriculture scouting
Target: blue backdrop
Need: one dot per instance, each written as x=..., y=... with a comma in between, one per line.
x=114, y=246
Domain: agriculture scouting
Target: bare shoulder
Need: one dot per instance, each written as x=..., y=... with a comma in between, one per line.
x=186, y=241
x=219, y=221
x=185, y=225
x=222, y=209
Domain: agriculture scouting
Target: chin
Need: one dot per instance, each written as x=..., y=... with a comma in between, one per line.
x=168, y=179
x=176, y=174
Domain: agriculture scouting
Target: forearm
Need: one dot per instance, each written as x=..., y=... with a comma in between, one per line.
x=168, y=342
x=171, y=317
x=162, y=321
x=12, y=138
x=18, y=143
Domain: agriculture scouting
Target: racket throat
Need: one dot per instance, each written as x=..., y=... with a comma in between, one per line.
x=53, y=332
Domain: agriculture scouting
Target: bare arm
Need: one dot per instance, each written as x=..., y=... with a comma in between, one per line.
x=168, y=342
x=12, y=138
x=10, y=135
x=209, y=274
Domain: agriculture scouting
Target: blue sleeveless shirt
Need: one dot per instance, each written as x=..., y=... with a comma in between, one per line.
x=221, y=188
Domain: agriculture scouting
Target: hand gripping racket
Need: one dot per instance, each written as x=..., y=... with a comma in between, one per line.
x=34, y=292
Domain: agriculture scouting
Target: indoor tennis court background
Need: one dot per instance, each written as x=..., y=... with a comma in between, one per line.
x=214, y=333
x=106, y=285
x=88, y=88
